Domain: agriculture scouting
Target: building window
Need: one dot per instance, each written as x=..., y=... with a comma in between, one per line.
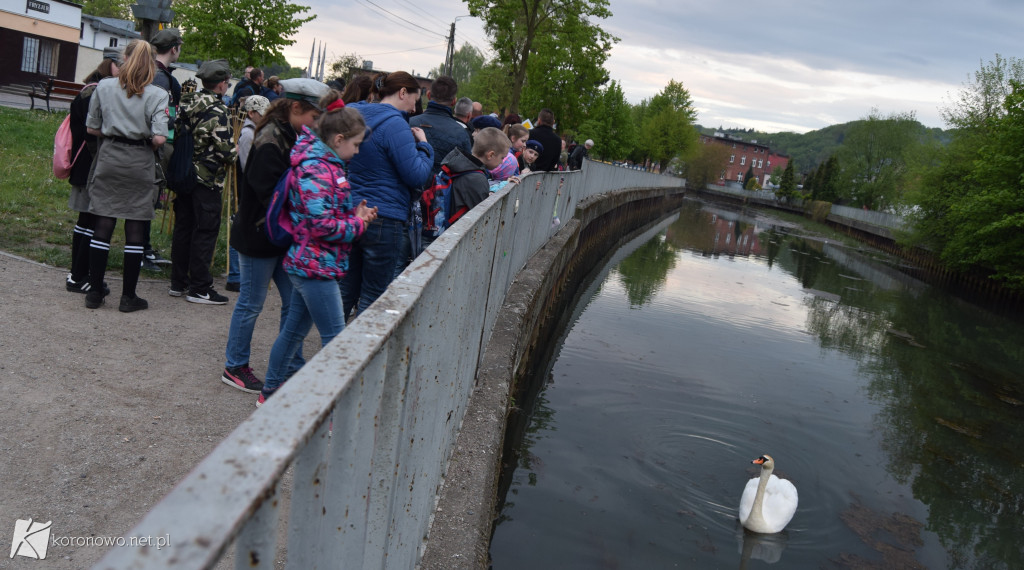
x=739, y=177
x=760, y=163
x=40, y=56
x=769, y=164
x=732, y=158
x=743, y=161
x=113, y=42
x=30, y=55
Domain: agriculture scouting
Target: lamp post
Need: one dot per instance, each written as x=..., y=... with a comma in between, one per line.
x=449, y=58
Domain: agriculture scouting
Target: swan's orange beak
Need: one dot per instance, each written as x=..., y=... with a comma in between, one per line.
x=758, y=461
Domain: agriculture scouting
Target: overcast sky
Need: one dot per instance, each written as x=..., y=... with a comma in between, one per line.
x=787, y=65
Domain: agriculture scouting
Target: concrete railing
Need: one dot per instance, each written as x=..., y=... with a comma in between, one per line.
x=870, y=217
x=369, y=423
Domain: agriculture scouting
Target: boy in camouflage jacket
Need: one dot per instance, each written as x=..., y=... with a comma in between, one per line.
x=197, y=213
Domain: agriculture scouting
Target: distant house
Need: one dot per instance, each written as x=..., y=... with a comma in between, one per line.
x=98, y=32
x=38, y=39
x=743, y=155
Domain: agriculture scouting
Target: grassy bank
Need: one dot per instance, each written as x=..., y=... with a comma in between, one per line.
x=34, y=213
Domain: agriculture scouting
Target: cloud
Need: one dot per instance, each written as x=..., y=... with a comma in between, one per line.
x=788, y=65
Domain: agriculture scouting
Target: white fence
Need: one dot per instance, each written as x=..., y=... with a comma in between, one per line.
x=370, y=421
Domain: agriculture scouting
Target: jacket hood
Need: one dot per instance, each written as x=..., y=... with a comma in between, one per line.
x=198, y=102
x=309, y=147
x=376, y=113
x=458, y=161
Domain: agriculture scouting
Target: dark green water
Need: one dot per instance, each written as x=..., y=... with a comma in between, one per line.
x=895, y=409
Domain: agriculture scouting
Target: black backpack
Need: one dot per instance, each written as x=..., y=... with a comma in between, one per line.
x=181, y=171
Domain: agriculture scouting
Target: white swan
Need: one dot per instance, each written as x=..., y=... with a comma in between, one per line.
x=768, y=503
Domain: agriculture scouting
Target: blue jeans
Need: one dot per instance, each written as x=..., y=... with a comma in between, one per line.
x=374, y=262
x=234, y=274
x=314, y=301
x=256, y=273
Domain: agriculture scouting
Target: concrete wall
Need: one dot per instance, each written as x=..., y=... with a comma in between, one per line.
x=368, y=425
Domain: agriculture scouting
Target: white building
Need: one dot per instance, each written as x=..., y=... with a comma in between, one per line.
x=38, y=39
x=98, y=32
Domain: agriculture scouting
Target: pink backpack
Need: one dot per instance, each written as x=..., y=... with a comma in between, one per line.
x=62, y=149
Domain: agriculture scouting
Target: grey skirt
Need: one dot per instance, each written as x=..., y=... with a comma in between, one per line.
x=122, y=183
x=79, y=199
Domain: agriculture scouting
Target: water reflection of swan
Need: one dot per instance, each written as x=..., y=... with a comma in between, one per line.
x=768, y=503
x=765, y=547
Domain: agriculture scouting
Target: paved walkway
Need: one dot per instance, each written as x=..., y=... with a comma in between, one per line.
x=23, y=102
x=103, y=412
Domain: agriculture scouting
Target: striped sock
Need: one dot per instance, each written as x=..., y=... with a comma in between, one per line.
x=98, y=252
x=80, y=253
x=132, y=266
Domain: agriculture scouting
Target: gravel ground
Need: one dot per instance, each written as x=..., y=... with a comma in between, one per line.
x=103, y=411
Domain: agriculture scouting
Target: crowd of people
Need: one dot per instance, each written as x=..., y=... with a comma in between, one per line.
x=360, y=164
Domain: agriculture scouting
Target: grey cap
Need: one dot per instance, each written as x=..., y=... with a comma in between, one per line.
x=167, y=37
x=216, y=70
x=304, y=89
x=114, y=54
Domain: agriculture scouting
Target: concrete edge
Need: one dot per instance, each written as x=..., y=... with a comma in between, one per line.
x=460, y=533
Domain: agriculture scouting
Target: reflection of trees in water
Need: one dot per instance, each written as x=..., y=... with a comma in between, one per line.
x=952, y=412
x=947, y=377
x=644, y=272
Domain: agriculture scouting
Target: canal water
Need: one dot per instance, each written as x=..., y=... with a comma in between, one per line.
x=895, y=409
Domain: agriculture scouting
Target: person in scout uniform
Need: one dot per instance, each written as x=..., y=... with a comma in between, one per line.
x=197, y=212
x=129, y=115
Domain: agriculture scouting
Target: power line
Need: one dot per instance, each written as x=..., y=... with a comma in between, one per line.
x=425, y=13
x=403, y=50
x=406, y=21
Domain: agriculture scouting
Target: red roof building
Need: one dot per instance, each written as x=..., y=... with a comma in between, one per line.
x=743, y=155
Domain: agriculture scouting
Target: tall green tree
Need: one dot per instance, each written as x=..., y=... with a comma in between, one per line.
x=550, y=29
x=827, y=180
x=467, y=63
x=983, y=96
x=874, y=157
x=787, y=183
x=340, y=67
x=667, y=129
x=609, y=124
x=706, y=165
x=108, y=8
x=244, y=32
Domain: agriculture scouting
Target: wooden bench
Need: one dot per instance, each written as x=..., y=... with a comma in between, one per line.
x=54, y=89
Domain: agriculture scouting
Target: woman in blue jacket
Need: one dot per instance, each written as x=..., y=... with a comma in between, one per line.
x=391, y=169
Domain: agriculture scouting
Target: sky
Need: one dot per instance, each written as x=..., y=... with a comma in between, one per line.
x=787, y=65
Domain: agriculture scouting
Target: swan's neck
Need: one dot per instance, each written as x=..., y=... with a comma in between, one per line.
x=755, y=511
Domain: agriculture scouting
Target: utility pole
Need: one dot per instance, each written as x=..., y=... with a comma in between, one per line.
x=449, y=58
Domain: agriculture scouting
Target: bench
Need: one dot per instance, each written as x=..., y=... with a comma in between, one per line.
x=54, y=89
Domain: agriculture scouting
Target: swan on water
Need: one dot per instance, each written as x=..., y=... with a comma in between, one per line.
x=768, y=503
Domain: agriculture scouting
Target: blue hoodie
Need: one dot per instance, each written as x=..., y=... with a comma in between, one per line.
x=391, y=166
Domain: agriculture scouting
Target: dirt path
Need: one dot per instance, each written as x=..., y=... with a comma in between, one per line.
x=102, y=412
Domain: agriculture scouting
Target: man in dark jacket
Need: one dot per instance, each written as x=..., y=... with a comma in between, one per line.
x=578, y=154
x=246, y=87
x=544, y=133
x=443, y=131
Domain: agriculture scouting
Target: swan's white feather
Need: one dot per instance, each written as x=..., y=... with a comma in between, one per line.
x=778, y=507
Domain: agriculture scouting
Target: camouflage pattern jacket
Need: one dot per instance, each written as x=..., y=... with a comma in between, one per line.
x=209, y=120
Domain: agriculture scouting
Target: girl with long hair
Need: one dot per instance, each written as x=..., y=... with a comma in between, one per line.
x=129, y=114
x=84, y=147
x=326, y=220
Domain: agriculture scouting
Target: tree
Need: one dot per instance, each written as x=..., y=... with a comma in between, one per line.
x=977, y=215
x=982, y=99
x=749, y=178
x=522, y=29
x=874, y=158
x=108, y=8
x=244, y=32
x=667, y=129
x=706, y=165
x=787, y=183
x=610, y=125
x=467, y=63
x=827, y=180
x=341, y=66
x=776, y=176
